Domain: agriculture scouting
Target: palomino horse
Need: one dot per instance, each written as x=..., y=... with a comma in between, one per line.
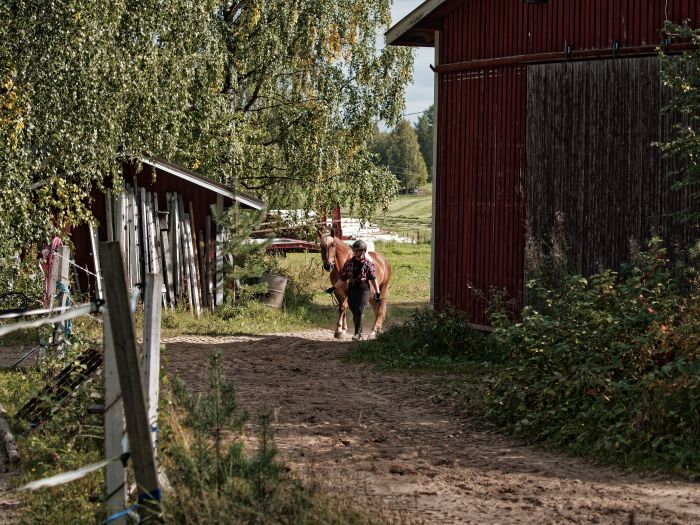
x=334, y=253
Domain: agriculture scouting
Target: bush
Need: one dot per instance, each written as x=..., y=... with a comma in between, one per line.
x=430, y=338
x=215, y=480
x=606, y=366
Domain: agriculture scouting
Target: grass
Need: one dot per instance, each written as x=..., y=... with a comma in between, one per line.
x=307, y=307
x=411, y=215
x=73, y=439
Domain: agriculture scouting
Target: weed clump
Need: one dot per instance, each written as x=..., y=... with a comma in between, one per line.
x=429, y=339
x=217, y=476
x=606, y=365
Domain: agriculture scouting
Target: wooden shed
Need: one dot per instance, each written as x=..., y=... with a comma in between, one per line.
x=162, y=218
x=544, y=108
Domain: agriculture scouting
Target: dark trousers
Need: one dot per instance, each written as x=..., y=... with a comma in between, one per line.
x=357, y=301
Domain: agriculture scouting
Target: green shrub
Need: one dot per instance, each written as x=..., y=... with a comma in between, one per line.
x=604, y=367
x=429, y=339
x=216, y=480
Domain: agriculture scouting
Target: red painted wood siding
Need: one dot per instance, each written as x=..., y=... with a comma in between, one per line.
x=480, y=29
x=480, y=192
x=480, y=180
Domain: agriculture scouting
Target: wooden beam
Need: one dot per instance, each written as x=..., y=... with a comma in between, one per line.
x=219, y=284
x=127, y=358
x=114, y=428
x=195, y=257
x=151, y=349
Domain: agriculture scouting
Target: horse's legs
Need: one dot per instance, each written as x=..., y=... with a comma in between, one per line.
x=341, y=327
x=379, y=310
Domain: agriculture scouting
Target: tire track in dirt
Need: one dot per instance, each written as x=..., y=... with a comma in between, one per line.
x=379, y=440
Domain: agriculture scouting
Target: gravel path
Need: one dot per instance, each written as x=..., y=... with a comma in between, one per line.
x=379, y=439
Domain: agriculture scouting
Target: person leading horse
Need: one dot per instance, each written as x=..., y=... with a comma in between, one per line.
x=354, y=274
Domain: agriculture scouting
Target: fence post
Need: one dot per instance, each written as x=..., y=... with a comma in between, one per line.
x=63, y=284
x=151, y=349
x=121, y=325
x=115, y=474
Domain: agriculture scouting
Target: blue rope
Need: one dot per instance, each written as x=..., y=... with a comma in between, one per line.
x=126, y=512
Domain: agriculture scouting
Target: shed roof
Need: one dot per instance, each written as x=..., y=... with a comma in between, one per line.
x=417, y=29
x=196, y=178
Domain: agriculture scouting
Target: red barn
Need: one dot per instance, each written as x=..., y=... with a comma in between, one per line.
x=544, y=108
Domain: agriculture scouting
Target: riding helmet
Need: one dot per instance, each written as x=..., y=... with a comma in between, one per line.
x=359, y=245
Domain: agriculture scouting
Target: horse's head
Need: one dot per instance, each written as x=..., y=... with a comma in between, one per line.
x=328, y=251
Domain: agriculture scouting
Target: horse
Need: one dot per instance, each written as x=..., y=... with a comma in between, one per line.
x=334, y=253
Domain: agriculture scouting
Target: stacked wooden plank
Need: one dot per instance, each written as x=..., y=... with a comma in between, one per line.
x=156, y=240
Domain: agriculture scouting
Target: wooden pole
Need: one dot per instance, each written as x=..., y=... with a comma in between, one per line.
x=123, y=336
x=63, y=298
x=202, y=269
x=175, y=248
x=114, y=428
x=145, y=248
x=94, y=241
x=195, y=257
x=219, y=284
x=207, y=262
x=151, y=349
x=110, y=215
x=193, y=286
x=165, y=255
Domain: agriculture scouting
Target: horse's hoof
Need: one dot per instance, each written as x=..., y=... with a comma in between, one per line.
x=372, y=335
x=340, y=335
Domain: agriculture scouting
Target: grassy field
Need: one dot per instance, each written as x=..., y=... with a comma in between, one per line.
x=306, y=305
x=410, y=215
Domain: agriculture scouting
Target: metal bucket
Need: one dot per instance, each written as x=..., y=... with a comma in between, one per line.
x=276, y=285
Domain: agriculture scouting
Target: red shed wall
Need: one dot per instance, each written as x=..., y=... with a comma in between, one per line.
x=477, y=29
x=162, y=183
x=480, y=183
x=479, y=191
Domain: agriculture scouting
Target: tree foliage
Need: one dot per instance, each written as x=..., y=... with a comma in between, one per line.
x=681, y=74
x=276, y=98
x=404, y=156
x=424, y=133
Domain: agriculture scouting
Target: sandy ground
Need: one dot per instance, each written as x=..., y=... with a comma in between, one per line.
x=380, y=440
x=9, y=506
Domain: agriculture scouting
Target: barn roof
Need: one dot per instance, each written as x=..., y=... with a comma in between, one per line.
x=197, y=179
x=417, y=29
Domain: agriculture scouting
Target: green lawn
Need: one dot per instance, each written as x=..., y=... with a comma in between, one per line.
x=307, y=306
x=410, y=215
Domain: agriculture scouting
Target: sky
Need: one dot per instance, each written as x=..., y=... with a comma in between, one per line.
x=419, y=94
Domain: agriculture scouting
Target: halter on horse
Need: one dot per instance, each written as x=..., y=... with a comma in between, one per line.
x=334, y=253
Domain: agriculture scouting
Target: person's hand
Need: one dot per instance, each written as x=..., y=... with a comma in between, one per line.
x=377, y=297
x=330, y=290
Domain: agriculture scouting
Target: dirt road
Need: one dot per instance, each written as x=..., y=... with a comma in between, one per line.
x=9, y=506
x=379, y=439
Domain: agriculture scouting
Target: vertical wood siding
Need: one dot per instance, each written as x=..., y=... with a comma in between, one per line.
x=500, y=28
x=590, y=129
x=479, y=193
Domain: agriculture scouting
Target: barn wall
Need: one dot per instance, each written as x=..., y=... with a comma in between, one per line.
x=476, y=30
x=590, y=133
x=479, y=203
x=162, y=183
